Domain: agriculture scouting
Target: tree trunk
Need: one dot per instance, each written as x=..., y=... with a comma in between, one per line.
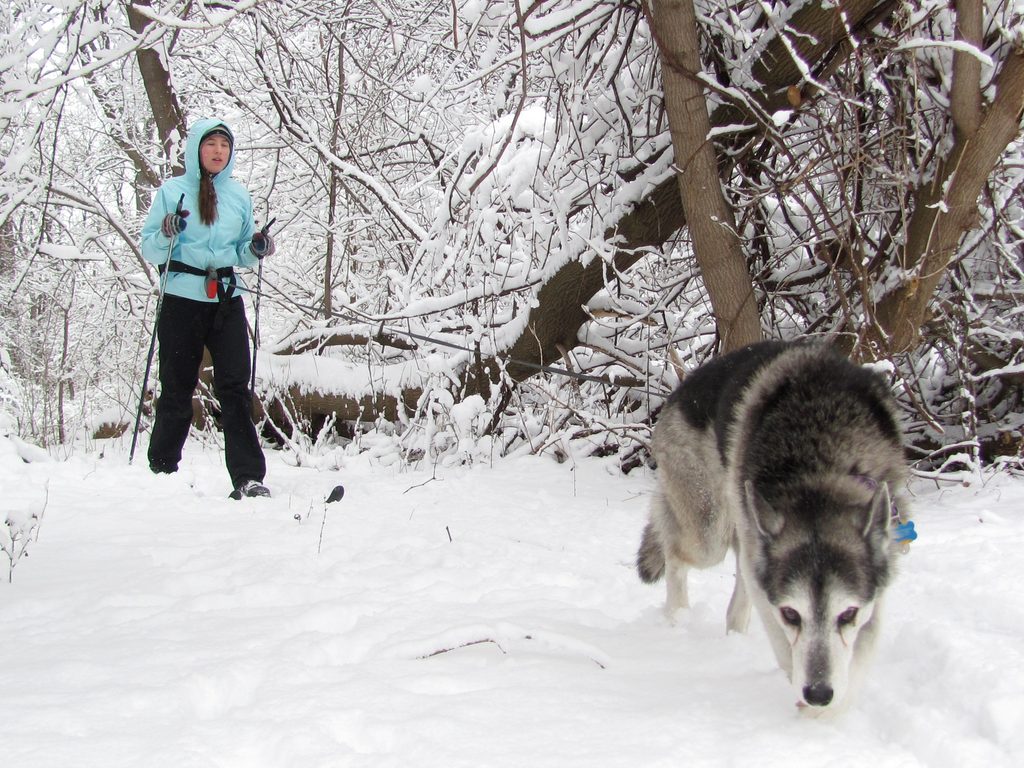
x=170, y=120
x=709, y=216
x=966, y=91
x=559, y=314
x=947, y=208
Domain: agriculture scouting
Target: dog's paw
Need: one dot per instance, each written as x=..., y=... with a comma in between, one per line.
x=674, y=614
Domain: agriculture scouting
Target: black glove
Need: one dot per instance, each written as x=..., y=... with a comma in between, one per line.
x=174, y=224
x=261, y=245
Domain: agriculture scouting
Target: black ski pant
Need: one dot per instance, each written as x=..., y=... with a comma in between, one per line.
x=185, y=327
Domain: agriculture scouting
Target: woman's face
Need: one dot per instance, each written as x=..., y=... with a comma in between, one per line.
x=214, y=153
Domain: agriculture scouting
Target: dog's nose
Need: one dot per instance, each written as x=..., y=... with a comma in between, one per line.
x=818, y=694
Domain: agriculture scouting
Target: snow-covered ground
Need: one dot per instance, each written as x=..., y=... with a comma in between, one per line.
x=478, y=616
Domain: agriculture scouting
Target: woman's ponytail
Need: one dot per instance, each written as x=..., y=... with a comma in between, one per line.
x=207, y=199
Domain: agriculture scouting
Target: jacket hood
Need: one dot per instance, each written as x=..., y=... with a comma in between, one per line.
x=195, y=136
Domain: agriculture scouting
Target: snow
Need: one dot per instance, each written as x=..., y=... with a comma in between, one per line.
x=482, y=615
x=66, y=253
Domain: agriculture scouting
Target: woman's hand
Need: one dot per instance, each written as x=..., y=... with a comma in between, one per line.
x=261, y=245
x=174, y=224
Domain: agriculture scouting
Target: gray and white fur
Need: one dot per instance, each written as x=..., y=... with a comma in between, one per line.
x=790, y=455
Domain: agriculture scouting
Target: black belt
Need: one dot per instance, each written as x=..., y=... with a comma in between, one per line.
x=213, y=277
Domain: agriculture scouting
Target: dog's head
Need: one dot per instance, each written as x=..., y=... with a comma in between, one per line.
x=823, y=560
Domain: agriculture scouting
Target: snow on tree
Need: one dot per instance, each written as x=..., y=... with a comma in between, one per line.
x=474, y=199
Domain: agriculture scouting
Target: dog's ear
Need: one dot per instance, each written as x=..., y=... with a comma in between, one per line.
x=769, y=522
x=877, y=514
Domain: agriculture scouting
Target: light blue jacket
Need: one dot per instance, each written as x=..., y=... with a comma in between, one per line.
x=225, y=243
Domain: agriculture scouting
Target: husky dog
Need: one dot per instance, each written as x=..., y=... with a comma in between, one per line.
x=789, y=454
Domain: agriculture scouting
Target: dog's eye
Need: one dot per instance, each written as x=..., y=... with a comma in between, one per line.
x=790, y=616
x=847, y=617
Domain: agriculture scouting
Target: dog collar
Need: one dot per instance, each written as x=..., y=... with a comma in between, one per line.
x=901, y=528
x=903, y=533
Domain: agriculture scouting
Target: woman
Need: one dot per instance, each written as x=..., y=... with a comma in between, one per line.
x=201, y=307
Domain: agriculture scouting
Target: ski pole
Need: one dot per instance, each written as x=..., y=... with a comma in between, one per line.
x=256, y=310
x=152, y=339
